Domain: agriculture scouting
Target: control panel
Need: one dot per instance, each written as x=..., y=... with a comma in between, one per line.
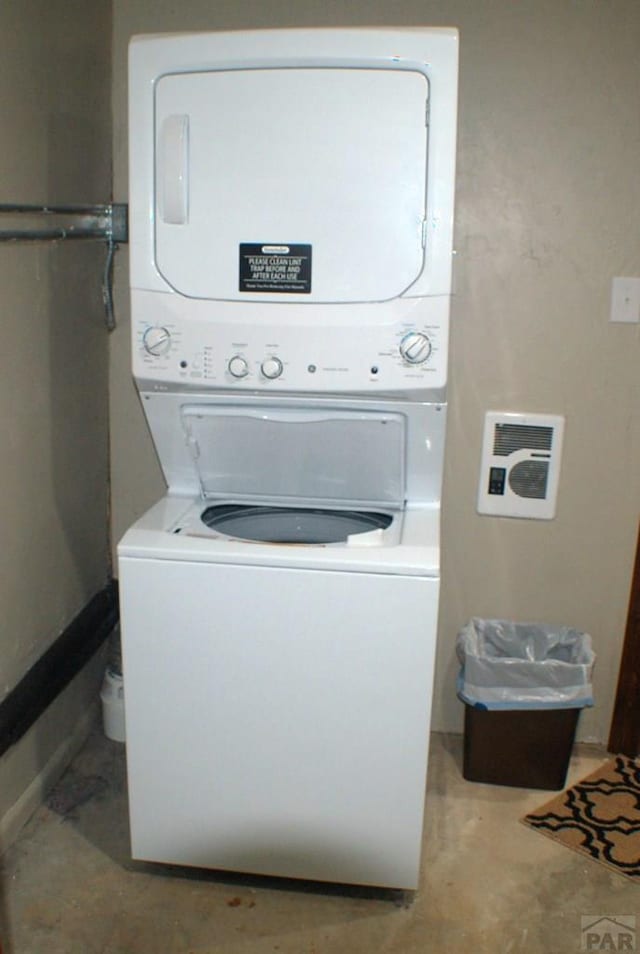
x=363, y=351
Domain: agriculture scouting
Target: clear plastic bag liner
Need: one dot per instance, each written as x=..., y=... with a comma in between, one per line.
x=507, y=665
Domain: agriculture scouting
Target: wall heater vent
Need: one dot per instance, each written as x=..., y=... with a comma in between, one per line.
x=520, y=465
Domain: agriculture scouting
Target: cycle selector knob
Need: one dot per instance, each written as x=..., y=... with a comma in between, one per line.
x=271, y=368
x=238, y=367
x=156, y=341
x=415, y=347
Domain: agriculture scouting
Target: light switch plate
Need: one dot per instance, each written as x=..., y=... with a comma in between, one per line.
x=625, y=300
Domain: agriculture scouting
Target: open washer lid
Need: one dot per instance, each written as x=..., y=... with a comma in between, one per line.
x=299, y=455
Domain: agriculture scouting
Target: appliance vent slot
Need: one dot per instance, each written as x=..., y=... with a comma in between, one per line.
x=514, y=437
x=529, y=479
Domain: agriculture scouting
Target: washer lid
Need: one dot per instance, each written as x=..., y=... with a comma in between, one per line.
x=296, y=184
x=298, y=455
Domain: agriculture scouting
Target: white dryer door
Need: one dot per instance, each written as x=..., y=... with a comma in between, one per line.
x=291, y=184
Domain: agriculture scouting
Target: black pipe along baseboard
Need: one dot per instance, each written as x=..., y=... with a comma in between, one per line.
x=58, y=665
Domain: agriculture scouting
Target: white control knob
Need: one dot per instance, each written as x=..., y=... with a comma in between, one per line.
x=271, y=368
x=156, y=340
x=238, y=367
x=415, y=347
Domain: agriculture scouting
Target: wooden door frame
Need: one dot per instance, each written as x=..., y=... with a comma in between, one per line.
x=624, y=736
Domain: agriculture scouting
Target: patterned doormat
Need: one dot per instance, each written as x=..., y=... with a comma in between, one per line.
x=599, y=817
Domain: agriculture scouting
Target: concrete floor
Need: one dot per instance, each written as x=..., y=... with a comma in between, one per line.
x=489, y=884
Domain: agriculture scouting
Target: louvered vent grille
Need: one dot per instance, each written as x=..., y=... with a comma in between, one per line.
x=514, y=437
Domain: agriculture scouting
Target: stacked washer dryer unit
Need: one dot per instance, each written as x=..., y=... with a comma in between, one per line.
x=291, y=204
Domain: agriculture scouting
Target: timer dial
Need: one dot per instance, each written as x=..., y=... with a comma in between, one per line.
x=271, y=368
x=415, y=347
x=156, y=340
x=238, y=367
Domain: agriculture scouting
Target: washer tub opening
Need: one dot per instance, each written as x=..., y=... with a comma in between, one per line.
x=292, y=525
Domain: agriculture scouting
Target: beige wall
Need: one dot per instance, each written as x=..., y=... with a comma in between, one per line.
x=56, y=121
x=548, y=203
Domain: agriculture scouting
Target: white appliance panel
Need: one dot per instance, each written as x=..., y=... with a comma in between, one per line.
x=333, y=160
x=428, y=52
x=321, y=348
x=294, y=740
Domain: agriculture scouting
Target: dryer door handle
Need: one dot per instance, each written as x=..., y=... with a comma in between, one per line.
x=173, y=172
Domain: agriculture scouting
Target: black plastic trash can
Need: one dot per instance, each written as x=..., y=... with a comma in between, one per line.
x=523, y=686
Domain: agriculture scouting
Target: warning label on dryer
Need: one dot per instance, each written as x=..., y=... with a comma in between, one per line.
x=275, y=268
